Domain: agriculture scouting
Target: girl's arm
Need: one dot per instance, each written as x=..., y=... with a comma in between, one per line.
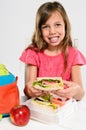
x=30, y=76
x=30, y=73
x=77, y=78
x=74, y=88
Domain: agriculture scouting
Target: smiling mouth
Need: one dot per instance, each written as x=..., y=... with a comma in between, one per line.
x=54, y=39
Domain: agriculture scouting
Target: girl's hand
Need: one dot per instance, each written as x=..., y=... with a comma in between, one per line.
x=32, y=92
x=71, y=90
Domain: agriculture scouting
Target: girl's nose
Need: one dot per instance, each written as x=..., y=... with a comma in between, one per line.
x=52, y=30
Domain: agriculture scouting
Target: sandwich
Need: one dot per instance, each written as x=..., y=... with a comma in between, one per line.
x=47, y=102
x=43, y=103
x=48, y=83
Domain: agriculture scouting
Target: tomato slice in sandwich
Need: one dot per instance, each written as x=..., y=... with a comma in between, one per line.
x=57, y=101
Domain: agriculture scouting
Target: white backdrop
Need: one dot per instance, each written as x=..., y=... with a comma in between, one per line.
x=17, y=19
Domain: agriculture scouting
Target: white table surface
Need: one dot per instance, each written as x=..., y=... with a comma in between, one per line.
x=77, y=121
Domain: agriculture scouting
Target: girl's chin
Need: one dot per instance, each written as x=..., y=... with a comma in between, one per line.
x=54, y=44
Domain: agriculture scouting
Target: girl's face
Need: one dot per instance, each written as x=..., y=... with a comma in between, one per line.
x=53, y=31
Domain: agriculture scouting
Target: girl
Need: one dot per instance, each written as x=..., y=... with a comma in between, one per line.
x=52, y=54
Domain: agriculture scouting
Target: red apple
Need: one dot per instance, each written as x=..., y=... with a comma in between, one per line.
x=20, y=115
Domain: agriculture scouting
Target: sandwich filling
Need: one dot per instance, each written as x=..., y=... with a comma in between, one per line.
x=48, y=83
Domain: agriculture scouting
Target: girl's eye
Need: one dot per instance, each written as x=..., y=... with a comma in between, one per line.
x=57, y=25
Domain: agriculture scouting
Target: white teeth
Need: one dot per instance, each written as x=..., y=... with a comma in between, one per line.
x=53, y=39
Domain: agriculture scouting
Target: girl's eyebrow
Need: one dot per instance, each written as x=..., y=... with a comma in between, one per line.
x=44, y=25
x=57, y=22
